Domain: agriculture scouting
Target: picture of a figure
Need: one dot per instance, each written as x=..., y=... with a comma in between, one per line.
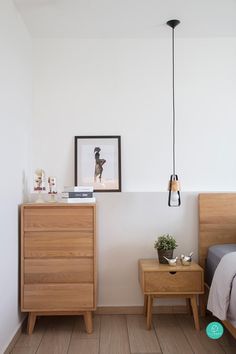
x=98, y=164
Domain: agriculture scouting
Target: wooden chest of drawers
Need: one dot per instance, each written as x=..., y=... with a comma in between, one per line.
x=58, y=260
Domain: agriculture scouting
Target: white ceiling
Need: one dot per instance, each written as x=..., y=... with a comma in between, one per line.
x=127, y=18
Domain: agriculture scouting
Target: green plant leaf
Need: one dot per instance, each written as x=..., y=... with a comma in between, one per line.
x=165, y=242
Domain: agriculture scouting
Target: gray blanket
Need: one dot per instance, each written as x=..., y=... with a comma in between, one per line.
x=220, y=291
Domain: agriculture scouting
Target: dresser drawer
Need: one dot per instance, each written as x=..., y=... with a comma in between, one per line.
x=182, y=281
x=58, y=218
x=58, y=244
x=58, y=297
x=64, y=270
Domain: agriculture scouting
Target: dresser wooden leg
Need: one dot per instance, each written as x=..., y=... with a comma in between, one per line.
x=31, y=322
x=145, y=305
x=195, y=312
x=88, y=322
x=149, y=311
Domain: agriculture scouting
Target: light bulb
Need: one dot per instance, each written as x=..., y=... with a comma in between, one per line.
x=174, y=194
x=174, y=197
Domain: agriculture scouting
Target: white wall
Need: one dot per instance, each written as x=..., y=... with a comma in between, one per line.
x=15, y=113
x=113, y=86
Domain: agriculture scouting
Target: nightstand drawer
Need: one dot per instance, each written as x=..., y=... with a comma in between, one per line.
x=173, y=281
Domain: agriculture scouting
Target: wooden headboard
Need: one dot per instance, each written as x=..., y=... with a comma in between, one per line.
x=217, y=221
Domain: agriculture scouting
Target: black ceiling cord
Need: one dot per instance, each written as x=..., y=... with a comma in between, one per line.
x=174, y=190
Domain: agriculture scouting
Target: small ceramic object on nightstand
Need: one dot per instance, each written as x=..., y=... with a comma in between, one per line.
x=172, y=262
x=186, y=260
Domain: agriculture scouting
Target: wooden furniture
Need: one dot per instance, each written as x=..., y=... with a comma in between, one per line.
x=58, y=260
x=162, y=280
x=217, y=225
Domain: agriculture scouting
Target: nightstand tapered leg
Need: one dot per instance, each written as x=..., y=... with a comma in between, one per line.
x=195, y=312
x=149, y=311
x=145, y=305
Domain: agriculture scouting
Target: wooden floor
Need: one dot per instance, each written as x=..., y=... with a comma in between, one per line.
x=120, y=334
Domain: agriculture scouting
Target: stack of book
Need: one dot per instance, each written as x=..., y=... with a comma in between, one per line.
x=78, y=194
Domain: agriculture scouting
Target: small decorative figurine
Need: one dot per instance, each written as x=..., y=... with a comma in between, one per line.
x=172, y=262
x=39, y=184
x=186, y=260
x=52, y=188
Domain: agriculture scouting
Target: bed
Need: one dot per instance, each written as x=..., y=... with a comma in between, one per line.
x=217, y=234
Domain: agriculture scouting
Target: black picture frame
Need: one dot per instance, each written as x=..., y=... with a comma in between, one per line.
x=98, y=162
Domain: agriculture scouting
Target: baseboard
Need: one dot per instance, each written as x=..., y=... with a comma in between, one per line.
x=138, y=310
x=15, y=337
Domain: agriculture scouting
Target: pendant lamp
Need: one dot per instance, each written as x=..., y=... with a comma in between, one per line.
x=174, y=187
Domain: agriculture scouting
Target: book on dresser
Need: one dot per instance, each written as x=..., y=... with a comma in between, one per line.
x=79, y=200
x=77, y=194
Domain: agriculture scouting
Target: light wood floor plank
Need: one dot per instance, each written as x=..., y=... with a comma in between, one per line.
x=31, y=343
x=141, y=340
x=198, y=340
x=84, y=346
x=171, y=337
x=79, y=330
x=114, y=336
x=229, y=350
x=57, y=337
x=82, y=342
x=227, y=340
x=228, y=343
x=23, y=350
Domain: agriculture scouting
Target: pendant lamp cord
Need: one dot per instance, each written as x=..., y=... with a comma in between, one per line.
x=173, y=94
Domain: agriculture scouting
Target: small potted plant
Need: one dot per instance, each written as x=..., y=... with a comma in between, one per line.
x=165, y=245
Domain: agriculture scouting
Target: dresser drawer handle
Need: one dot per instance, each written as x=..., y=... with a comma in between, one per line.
x=172, y=273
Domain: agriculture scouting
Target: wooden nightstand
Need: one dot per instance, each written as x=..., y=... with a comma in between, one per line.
x=162, y=280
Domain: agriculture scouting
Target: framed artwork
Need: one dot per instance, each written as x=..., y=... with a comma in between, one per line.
x=98, y=162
